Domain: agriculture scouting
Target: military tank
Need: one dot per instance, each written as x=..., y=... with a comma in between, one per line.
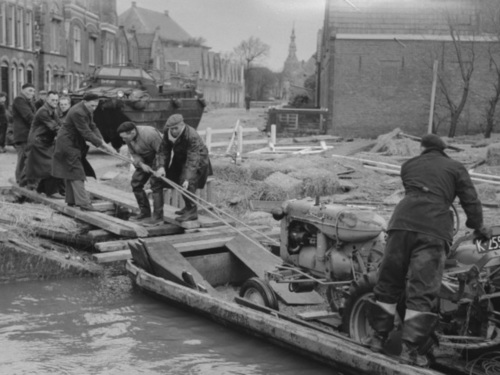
x=130, y=93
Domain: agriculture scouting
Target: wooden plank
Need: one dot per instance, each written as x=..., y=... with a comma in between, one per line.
x=4, y=232
x=383, y=139
x=112, y=194
x=100, y=235
x=186, y=237
x=259, y=260
x=168, y=263
x=183, y=247
x=95, y=218
x=126, y=199
x=315, y=315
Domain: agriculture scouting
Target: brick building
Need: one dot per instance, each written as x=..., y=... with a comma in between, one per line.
x=179, y=59
x=376, y=63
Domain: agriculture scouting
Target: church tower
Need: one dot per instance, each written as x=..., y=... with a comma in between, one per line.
x=292, y=64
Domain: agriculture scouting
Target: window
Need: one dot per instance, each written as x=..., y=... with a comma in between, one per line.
x=48, y=78
x=92, y=44
x=13, y=71
x=28, y=32
x=20, y=76
x=20, y=28
x=77, y=44
x=77, y=81
x=70, y=81
x=29, y=74
x=55, y=26
x=10, y=25
x=2, y=23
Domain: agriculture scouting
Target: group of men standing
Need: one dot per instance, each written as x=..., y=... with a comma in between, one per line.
x=52, y=146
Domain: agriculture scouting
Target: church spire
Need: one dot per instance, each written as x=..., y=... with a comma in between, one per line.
x=292, y=49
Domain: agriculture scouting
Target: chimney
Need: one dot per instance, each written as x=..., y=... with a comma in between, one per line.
x=165, y=12
x=134, y=4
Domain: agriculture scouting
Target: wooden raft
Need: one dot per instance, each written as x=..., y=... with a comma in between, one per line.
x=208, y=239
x=127, y=200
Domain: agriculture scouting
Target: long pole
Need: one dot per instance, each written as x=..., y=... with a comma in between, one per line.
x=433, y=96
x=194, y=198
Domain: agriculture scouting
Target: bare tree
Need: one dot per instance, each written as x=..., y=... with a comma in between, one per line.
x=465, y=55
x=495, y=98
x=251, y=50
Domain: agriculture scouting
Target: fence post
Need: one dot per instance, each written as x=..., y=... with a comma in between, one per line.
x=273, y=134
x=239, y=151
x=208, y=139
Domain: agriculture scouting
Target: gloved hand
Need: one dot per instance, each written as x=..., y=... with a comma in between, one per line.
x=483, y=233
x=185, y=184
x=146, y=168
x=160, y=172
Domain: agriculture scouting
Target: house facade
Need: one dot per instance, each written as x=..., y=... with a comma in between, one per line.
x=376, y=60
x=180, y=60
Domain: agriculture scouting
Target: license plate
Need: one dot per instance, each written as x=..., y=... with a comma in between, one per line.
x=491, y=245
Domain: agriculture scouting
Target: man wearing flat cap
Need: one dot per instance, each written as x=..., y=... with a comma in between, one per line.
x=420, y=233
x=144, y=145
x=69, y=161
x=186, y=161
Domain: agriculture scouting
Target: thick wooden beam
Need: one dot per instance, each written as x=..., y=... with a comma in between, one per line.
x=115, y=225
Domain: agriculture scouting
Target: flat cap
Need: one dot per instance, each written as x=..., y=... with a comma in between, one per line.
x=174, y=120
x=126, y=127
x=88, y=96
x=433, y=141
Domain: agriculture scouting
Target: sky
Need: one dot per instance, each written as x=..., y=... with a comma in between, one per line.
x=224, y=24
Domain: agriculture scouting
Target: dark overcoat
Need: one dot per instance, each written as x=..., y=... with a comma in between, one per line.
x=432, y=181
x=41, y=142
x=69, y=161
x=187, y=158
x=23, y=112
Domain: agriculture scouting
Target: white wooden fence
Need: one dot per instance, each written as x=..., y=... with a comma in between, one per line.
x=236, y=139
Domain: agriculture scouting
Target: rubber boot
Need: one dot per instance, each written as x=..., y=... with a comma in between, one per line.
x=158, y=201
x=416, y=337
x=191, y=212
x=181, y=211
x=144, y=207
x=382, y=323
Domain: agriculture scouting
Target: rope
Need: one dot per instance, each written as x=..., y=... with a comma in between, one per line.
x=194, y=198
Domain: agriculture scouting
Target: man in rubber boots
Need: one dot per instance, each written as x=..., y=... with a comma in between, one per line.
x=420, y=232
x=186, y=162
x=144, y=145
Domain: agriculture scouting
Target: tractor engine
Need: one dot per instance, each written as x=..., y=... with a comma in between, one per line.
x=330, y=241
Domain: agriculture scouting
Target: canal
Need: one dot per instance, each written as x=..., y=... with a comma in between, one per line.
x=106, y=326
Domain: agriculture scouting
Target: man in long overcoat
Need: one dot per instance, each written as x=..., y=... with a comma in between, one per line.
x=69, y=161
x=41, y=142
x=186, y=161
x=23, y=112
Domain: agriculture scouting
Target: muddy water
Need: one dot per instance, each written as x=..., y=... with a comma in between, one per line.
x=105, y=326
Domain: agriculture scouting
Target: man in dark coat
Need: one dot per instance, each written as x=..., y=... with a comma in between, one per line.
x=3, y=122
x=420, y=232
x=42, y=97
x=23, y=112
x=41, y=142
x=144, y=145
x=69, y=161
x=186, y=161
